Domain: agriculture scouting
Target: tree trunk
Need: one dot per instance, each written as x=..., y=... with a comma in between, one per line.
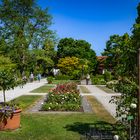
x=4, y=96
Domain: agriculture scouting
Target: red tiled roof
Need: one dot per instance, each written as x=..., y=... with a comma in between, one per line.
x=101, y=58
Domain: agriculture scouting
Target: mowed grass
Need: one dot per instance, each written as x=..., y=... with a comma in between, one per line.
x=99, y=110
x=43, y=89
x=104, y=88
x=84, y=89
x=26, y=101
x=39, y=126
x=51, y=127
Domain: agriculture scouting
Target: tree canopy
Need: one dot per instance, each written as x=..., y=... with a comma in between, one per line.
x=24, y=25
x=68, y=47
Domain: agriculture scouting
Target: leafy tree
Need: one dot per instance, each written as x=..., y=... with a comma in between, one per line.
x=77, y=48
x=122, y=54
x=71, y=66
x=7, y=72
x=119, y=50
x=23, y=25
x=39, y=61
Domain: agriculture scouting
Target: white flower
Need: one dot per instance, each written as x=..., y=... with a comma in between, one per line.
x=42, y=103
x=116, y=137
x=133, y=105
x=49, y=108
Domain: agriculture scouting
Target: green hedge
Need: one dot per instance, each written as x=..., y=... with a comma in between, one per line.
x=98, y=80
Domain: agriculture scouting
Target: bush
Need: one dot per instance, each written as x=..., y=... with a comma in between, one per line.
x=98, y=80
x=112, y=85
x=50, y=79
x=65, y=97
x=62, y=77
x=107, y=76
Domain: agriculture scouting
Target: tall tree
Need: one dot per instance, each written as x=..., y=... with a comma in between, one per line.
x=68, y=47
x=23, y=25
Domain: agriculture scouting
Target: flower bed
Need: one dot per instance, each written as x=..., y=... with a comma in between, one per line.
x=65, y=97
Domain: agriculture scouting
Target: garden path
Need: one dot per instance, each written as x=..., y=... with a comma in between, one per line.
x=18, y=91
x=103, y=98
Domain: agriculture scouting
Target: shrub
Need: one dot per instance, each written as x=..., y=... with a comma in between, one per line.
x=112, y=85
x=98, y=80
x=50, y=79
x=62, y=77
x=107, y=76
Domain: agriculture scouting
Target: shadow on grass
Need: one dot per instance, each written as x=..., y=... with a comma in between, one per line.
x=100, y=129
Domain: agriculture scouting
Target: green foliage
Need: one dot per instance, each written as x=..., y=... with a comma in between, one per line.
x=64, y=97
x=107, y=76
x=50, y=79
x=7, y=81
x=68, y=47
x=70, y=66
x=24, y=24
x=98, y=80
x=62, y=77
x=112, y=85
x=7, y=74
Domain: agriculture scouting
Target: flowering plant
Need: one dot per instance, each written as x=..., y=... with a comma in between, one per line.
x=6, y=110
x=65, y=97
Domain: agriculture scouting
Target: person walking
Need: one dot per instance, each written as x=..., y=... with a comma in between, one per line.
x=39, y=77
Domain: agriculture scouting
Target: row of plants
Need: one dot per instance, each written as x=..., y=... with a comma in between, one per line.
x=65, y=97
x=101, y=79
x=98, y=80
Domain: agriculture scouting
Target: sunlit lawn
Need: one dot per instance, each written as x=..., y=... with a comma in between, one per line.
x=26, y=101
x=62, y=126
x=51, y=127
x=104, y=88
x=84, y=89
x=43, y=89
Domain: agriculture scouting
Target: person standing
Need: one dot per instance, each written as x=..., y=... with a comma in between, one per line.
x=31, y=77
x=87, y=79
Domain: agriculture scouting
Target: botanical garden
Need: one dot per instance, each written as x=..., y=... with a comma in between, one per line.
x=64, y=104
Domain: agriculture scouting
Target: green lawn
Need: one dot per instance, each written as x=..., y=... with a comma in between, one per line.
x=84, y=89
x=26, y=101
x=43, y=89
x=99, y=110
x=51, y=127
x=104, y=88
x=36, y=126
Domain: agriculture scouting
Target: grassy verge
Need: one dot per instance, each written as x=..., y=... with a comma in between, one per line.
x=84, y=89
x=51, y=127
x=107, y=90
x=43, y=89
x=99, y=110
x=26, y=101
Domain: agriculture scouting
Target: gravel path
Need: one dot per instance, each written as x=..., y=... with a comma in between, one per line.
x=18, y=91
x=100, y=95
x=103, y=98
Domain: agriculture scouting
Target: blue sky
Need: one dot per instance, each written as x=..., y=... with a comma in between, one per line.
x=92, y=20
